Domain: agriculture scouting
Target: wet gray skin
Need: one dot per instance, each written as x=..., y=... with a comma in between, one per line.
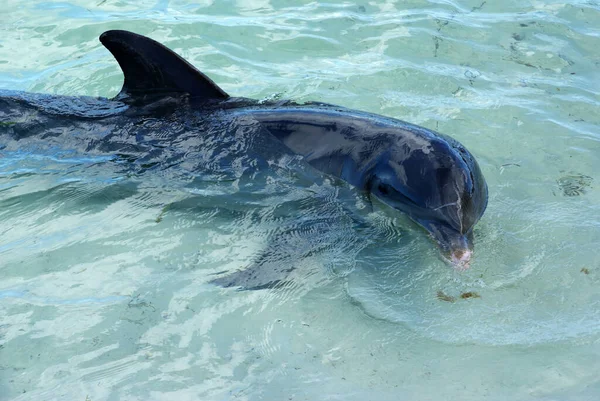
x=426, y=175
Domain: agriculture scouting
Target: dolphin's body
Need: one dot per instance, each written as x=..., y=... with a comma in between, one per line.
x=429, y=176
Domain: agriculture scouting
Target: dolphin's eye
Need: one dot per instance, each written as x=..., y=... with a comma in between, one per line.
x=388, y=190
x=384, y=189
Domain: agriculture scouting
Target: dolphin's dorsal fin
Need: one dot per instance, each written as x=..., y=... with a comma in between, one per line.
x=152, y=69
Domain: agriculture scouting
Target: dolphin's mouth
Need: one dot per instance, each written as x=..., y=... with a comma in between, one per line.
x=460, y=259
x=456, y=248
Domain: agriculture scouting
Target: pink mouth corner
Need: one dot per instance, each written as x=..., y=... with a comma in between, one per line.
x=461, y=260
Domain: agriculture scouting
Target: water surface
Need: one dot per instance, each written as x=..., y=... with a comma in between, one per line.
x=104, y=291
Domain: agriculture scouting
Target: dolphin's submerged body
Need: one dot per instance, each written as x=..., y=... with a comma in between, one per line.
x=428, y=176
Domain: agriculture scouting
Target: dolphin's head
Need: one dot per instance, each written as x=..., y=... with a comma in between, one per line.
x=440, y=186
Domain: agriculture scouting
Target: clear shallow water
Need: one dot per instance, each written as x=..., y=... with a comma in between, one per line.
x=104, y=274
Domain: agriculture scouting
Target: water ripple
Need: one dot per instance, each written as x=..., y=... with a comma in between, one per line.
x=105, y=262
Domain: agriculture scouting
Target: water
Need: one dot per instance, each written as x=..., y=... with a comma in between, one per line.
x=104, y=290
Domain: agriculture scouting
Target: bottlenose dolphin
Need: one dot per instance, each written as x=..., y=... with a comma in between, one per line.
x=429, y=176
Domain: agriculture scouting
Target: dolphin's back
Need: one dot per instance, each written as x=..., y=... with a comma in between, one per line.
x=338, y=141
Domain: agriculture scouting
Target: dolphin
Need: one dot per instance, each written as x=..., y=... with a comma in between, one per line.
x=428, y=176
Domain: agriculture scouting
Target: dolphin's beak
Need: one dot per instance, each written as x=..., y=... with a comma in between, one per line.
x=456, y=248
x=461, y=259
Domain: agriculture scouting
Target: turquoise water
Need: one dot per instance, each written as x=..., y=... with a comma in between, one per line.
x=104, y=290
